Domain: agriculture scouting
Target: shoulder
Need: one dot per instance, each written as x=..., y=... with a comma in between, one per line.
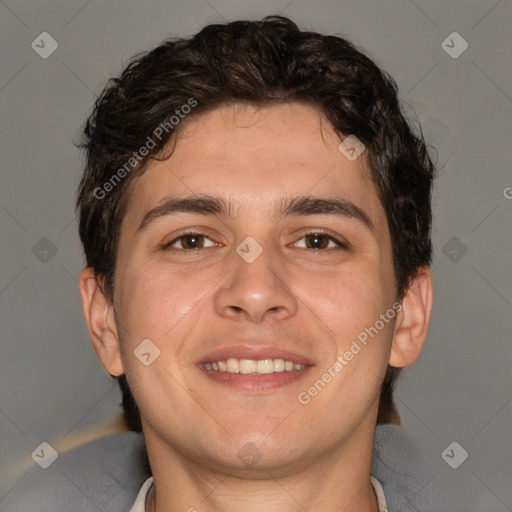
x=408, y=479
x=104, y=474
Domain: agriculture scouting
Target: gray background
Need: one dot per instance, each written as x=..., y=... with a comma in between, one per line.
x=52, y=387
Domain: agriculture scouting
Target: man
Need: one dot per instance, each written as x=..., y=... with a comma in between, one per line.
x=255, y=214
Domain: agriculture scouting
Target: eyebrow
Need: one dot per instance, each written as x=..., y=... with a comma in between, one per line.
x=220, y=207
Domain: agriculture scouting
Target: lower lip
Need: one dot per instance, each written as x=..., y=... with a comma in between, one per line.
x=256, y=383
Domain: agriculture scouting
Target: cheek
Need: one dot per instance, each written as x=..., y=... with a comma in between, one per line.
x=154, y=300
x=348, y=306
x=158, y=306
x=348, y=299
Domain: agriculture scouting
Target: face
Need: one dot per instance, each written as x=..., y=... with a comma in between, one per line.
x=276, y=276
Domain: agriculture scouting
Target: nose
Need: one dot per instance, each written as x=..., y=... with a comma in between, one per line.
x=256, y=290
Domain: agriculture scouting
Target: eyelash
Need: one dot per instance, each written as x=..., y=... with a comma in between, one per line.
x=167, y=246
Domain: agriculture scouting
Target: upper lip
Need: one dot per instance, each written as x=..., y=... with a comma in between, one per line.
x=255, y=352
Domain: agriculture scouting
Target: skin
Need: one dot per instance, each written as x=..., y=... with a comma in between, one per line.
x=314, y=302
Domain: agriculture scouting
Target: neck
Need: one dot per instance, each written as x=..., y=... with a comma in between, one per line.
x=338, y=481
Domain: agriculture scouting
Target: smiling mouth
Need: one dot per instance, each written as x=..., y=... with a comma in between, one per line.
x=253, y=366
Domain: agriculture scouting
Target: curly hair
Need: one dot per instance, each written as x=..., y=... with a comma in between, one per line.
x=258, y=62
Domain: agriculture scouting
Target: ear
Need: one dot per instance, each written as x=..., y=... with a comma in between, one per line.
x=98, y=314
x=413, y=319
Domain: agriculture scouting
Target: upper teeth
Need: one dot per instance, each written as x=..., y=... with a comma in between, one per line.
x=252, y=366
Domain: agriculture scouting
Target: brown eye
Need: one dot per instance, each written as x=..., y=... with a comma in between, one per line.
x=318, y=240
x=192, y=241
x=188, y=242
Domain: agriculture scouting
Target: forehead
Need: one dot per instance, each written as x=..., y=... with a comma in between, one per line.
x=253, y=157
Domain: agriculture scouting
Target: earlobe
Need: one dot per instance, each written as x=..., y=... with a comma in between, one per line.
x=412, y=323
x=98, y=314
